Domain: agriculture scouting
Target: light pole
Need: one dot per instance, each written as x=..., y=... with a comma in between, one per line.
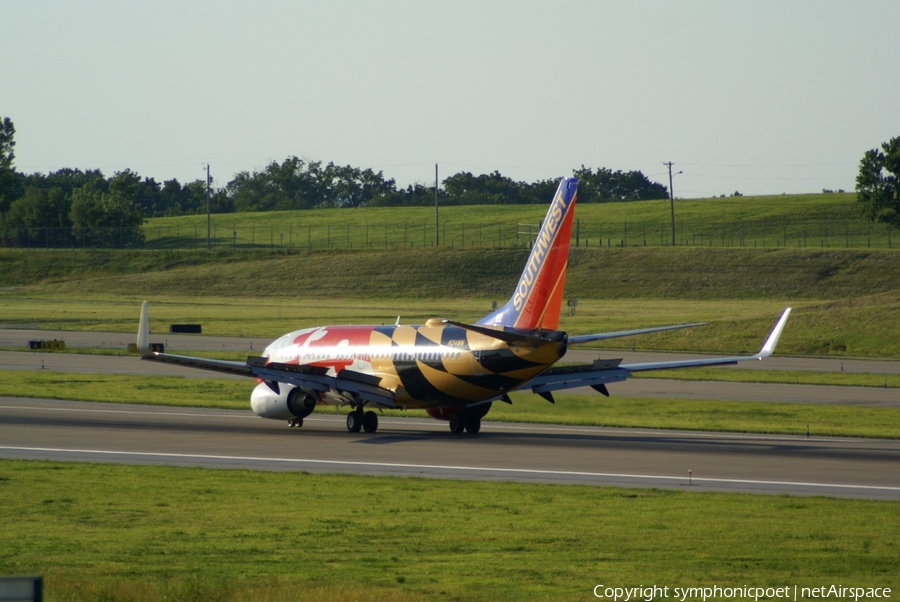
x=672, y=198
x=208, y=182
x=437, y=231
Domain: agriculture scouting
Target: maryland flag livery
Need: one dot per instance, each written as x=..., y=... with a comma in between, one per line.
x=454, y=371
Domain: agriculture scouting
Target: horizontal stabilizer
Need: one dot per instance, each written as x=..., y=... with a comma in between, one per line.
x=586, y=338
x=515, y=338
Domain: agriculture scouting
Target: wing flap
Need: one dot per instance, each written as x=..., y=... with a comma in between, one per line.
x=363, y=386
x=570, y=377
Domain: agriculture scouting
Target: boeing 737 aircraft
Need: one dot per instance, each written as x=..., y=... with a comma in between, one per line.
x=454, y=371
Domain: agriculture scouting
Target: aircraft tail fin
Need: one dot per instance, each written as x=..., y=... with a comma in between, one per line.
x=537, y=300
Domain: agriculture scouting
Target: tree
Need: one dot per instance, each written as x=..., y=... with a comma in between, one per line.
x=487, y=189
x=7, y=143
x=877, y=186
x=605, y=185
x=9, y=186
x=39, y=218
x=110, y=219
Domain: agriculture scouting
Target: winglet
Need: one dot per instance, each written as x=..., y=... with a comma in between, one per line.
x=769, y=347
x=143, y=336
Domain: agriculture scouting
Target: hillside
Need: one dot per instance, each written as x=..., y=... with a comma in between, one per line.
x=817, y=220
x=638, y=273
x=847, y=300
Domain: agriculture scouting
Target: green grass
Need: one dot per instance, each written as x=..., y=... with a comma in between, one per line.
x=119, y=388
x=789, y=377
x=704, y=415
x=860, y=327
x=847, y=300
x=237, y=356
x=588, y=410
x=685, y=273
x=102, y=532
x=814, y=220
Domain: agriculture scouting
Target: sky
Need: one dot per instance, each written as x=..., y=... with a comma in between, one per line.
x=762, y=97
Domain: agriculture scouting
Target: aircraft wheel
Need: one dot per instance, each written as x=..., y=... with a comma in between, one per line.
x=298, y=422
x=370, y=422
x=457, y=424
x=354, y=421
x=473, y=424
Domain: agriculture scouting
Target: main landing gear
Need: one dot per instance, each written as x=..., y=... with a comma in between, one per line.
x=358, y=420
x=463, y=421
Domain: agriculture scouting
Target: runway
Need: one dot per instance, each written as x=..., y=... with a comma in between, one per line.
x=767, y=464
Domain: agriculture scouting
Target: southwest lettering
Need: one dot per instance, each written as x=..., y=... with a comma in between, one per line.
x=539, y=252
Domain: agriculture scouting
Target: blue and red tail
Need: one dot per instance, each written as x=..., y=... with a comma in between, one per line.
x=537, y=299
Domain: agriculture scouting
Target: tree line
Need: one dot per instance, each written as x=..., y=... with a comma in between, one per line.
x=89, y=208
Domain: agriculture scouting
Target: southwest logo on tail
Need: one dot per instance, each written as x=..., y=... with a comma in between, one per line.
x=454, y=371
x=538, y=296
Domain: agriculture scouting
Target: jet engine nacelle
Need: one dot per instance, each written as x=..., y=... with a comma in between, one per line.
x=290, y=403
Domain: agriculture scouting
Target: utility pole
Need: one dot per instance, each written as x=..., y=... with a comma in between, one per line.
x=208, y=180
x=672, y=199
x=437, y=233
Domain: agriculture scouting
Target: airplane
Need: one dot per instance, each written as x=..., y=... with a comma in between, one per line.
x=453, y=370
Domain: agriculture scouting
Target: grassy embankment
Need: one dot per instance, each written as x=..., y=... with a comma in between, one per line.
x=103, y=532
x=816, y=220
x=846, y=302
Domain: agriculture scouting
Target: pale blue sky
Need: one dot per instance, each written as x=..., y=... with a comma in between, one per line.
x=763, y=97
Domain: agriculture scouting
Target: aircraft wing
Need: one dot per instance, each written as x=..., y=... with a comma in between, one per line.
x=312, y=378
x=235, y=368
x=363, y=386
x=605, y=371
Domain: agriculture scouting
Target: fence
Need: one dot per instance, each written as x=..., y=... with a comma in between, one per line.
x=849, y=233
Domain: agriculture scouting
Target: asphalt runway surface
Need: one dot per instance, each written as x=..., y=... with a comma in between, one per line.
x=66, y=430
x=766, y=464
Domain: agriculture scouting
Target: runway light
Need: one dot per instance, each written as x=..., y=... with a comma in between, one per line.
x=690, y=477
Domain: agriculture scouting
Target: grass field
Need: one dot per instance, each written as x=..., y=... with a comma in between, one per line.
x=857, y=327
x=816, y=220
x=588, y=410
x=106, y=532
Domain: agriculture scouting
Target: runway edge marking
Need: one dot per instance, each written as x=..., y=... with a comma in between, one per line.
x=447, y=467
